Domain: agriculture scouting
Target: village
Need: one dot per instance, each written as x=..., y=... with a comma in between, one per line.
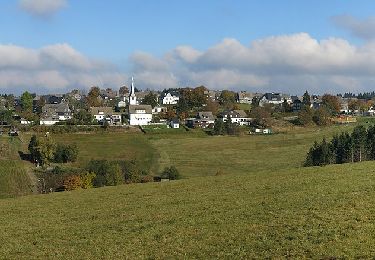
x=189, y=107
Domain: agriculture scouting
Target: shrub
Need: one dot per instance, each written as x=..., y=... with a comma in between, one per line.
x=171, y=173
x=72, y=182
x=66, y=153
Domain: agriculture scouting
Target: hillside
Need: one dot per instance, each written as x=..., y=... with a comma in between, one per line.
x=310, y=212
x=14, y=179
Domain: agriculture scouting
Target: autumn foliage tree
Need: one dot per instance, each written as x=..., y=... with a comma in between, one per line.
x=331, y=103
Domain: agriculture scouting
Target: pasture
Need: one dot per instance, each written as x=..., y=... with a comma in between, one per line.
x=297, y=213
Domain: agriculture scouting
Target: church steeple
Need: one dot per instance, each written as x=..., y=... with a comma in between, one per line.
x=132, y=96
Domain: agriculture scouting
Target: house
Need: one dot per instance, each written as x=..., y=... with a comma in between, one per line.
x=53, y=113
x=108, y=94
x=122, y=103
x=159, y=109
x=263, y=131
x=202, y=120
x=175, y=123
x=271, y=98
x=140, y=114
x=237, y=116
x=344, y=105
x=244, y=97
x=106, y=114
x=169, y=98
x=211, y=94
x=297, y=105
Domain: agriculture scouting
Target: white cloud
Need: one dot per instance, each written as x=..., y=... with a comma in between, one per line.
x=51, y=68
x=42, y=8
x=288, y=63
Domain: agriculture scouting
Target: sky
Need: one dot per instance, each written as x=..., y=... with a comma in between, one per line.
x=53, y=46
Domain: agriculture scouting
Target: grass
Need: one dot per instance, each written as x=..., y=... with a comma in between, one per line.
x=14, y=180
x=300, y=213
x=264, y=205
x=197, y=156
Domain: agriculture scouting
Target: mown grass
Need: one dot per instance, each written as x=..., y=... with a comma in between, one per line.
x=297, y=213
x=195, y=156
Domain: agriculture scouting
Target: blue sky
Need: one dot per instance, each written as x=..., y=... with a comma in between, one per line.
x=116, y=32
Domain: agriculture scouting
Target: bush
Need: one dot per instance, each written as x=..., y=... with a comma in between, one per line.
x=72, y=182
x=66, y=153
x=107, y=173
x=171, y=173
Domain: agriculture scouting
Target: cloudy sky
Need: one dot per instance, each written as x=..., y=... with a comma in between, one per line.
x=268, y=45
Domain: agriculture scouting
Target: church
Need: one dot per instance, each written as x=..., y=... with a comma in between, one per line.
x=138, y=114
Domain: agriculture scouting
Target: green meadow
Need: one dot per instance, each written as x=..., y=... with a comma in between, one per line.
x=240, y=197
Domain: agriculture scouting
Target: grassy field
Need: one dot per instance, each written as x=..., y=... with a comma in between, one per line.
x=263, y=205
x=14, y=180
x=206, y=155
x=299, y=213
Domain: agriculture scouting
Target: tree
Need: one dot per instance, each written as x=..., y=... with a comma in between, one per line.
x=306, y=99
x=321, y=116
x=27, y=102
x=261, y=116
x=45, y=150
x=359, y=142
x=66, y=153
x=107, y=173
x=171, y=173
x=87, y=179
x=83, y=117
x=123, y=91
x=285, y=106
x=150, y=99
x=255, y=102
x=227, y=98
x=212, y=106
x=32, y=147
x=331, y=103
x=93, y=97
x=72, y=182
x=219, y=127
x=305, y=116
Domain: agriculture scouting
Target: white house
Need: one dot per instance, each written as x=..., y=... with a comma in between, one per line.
x=102, y=114
x=237, y=116
x=159, y=109
x=170, y=99
x=122, y=103
x=140, y=114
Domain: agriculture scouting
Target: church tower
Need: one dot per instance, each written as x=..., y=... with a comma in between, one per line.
x=132, y=97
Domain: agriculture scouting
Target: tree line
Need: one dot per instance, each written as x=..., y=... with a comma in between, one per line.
x=344, y=148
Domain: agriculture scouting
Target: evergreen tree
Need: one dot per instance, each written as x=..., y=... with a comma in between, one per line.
x=219, y=127
x=359, y=137
x=306, y=99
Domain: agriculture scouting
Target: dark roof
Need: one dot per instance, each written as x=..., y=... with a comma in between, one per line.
x=273, y=96
x=134, y=108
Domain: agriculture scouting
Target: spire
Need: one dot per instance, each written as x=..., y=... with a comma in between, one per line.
x=132, y=87
x=132, y=96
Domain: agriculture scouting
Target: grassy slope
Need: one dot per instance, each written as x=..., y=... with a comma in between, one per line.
x=315, y=212
x=205, y=156
x=271, y=208
x=112, y=146
x=14, y=180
